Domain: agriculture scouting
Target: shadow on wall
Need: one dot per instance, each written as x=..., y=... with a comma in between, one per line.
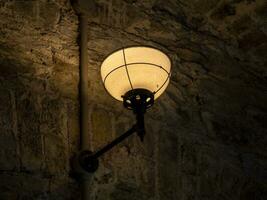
x=29, y=186
x=35, y=120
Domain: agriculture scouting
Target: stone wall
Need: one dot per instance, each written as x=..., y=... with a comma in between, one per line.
x=206, y=136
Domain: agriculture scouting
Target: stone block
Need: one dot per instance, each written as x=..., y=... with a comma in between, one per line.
x=31, y=140
x=167, y=165
x=127, y=191
x=8, y=156
x=9, y=187
x=189, y=187
x=254, y=167
x=16, y=185
x=102, y=127
x=63, y=188
x=8, y=132
x=55, y=152
x=43, y=14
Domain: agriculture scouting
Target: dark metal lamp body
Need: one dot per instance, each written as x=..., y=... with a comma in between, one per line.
x=137, y=100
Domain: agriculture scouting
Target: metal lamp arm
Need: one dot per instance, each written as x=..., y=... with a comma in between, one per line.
x=118, y=140
x=89, y=160
x=137, y=100
x=139, y=127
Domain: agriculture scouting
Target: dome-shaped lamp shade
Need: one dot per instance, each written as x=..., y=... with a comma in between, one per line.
x=136, y=67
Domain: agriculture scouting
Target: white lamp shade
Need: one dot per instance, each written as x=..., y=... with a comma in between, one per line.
x=136, y=67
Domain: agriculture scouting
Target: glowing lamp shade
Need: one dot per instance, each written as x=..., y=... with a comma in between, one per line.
x=137, y=67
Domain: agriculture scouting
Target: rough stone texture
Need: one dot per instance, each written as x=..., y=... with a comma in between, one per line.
x=206, y=136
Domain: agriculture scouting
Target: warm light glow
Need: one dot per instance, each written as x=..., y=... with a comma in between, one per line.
x=146, y=68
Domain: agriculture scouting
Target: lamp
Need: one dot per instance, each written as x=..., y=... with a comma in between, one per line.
x=135, y=67
x=136, y=76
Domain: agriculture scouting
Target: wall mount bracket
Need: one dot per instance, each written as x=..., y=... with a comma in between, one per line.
x=137, y=100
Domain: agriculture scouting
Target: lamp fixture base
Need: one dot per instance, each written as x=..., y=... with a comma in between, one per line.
x=138, y=98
